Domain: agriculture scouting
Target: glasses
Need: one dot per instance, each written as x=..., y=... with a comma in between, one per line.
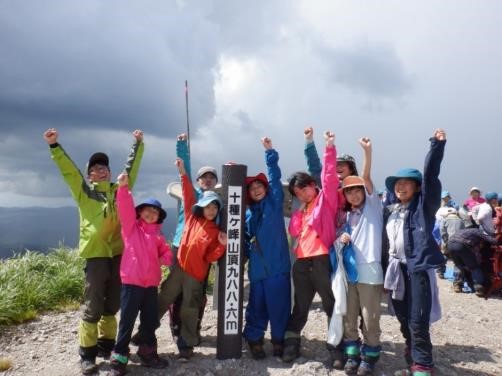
x=98, y=169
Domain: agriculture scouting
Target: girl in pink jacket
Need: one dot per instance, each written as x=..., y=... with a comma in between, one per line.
x=145, y=250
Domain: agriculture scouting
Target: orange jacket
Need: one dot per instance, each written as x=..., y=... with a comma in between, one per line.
x=199, y=245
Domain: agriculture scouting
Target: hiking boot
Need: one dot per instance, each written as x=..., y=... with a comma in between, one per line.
x=337, y=358
x=365, y=368
x=185, y=353
x=458, y=288
x=154, y=361
x=291, y=352
x=351, y=366
x=479, y=290
x=256, y=349
x=88, y=366
x=105, y=347
x=277, y=349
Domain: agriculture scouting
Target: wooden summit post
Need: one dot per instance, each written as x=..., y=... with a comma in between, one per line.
x=231, y=265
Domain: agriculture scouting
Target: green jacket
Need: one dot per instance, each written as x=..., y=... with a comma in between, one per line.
x=99, y=222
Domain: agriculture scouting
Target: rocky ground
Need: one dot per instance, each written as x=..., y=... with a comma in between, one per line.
x=467, y=341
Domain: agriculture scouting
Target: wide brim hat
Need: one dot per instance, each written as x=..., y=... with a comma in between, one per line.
x=206, y=198
x=153, y=203
x=404, y=173
x=98, y=158
x=352, y=181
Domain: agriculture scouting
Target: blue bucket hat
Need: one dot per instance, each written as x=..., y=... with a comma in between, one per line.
x=490, y=196
x=205, y=199
x=445, y=194
x=404, y=173
x=155, y=204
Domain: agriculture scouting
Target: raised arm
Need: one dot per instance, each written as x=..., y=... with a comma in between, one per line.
x=183, y=153
x=133, y=162
x=314, y=166
x=329, y=176
x=125, y=205
x=70, y=172
x=187, y=190
x=366, y=145
x=274, y=172
x=431, y=187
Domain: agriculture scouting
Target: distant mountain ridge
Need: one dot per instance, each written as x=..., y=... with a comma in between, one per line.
x=41, y=229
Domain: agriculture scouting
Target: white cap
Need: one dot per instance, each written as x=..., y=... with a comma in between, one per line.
x=474, y=189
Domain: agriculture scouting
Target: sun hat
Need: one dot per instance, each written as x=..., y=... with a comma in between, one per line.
x=206, y=198
x=155, y=204
x=445, y=194
x=474, y=189
x=204, y=170
x=352, y=181
x=491, y=196
x=404, y=173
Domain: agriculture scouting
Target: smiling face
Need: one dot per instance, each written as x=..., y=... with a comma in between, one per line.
x=306, y=194
x=99, y=173
x=207, y=182
x=405, y=189
x=343, y=170
x=257, y=190
x=210, y=211
x=149, y=214
x=355, y=196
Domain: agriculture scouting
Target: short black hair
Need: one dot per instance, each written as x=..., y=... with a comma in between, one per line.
x=300, y=180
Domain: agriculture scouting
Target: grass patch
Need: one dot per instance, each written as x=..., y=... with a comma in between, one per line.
x=33, y=282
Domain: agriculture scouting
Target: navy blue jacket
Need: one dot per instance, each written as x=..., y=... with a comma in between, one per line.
x=421, y=250
x=266, y=240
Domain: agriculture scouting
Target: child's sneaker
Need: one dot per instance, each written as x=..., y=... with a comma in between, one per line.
x=256, y=349
x=365, y=368
x=277, y=349
x=150, y=358
x=291, y=352
x=88, y=366
x=351, y=366
x=185, y=353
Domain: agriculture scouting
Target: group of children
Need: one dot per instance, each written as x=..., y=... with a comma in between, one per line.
x=389, y=248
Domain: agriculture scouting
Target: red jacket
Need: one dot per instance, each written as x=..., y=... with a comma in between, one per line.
x=199, y=245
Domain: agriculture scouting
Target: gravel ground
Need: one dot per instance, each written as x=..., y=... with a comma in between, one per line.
x=467, y=341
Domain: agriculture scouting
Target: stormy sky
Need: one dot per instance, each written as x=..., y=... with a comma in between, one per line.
x=389, y=70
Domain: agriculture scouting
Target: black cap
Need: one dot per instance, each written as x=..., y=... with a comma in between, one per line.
x=98, y=158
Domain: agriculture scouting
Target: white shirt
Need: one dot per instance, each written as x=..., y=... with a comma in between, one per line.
x=366, y=236
x=485, y=218
x=395, y=233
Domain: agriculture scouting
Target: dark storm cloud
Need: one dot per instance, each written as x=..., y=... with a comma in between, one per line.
x=372, y=69
x=100, y=65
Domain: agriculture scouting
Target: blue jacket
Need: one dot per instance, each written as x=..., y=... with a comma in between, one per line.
x=421, y=250
x=266, y=242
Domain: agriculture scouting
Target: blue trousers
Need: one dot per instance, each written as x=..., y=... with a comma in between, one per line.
x=269, y=300
x=134, y=300
x=413, y=313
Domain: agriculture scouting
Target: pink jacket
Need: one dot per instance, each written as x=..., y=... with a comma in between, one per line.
x=145, y=248
x=323, y=220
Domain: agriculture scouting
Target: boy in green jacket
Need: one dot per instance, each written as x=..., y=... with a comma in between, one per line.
x=100, y=244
